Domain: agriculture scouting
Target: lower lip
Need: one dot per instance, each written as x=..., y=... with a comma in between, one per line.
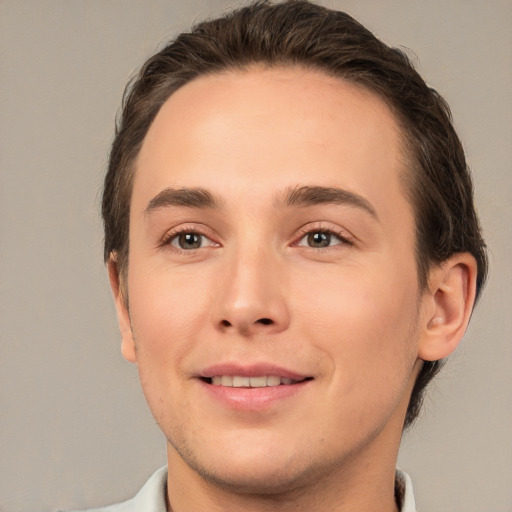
x=253, y=399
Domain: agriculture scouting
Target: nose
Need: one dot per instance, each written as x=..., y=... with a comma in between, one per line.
x=252, y=297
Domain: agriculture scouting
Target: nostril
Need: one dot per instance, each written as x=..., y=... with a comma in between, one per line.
x=225, y=324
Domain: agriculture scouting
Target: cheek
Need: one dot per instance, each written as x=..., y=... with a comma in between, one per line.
x=165, y=322
x=371, y=352
x=168, y=315
x=166, y=307
x=365, y=323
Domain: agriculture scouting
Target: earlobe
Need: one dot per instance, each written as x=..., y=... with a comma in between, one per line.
x=451, y=296
x=123, y=317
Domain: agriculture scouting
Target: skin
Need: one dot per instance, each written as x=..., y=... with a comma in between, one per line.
x=349, y=316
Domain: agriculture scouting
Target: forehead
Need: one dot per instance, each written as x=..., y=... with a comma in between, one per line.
x=280, y=127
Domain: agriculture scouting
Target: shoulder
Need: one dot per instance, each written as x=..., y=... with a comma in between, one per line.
x=151, y=498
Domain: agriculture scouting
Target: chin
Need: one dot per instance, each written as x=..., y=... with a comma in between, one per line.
x=263, y=471
x=267, y=478
x=253, y=482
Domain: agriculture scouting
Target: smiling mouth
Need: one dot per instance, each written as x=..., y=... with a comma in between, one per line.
x=263, y=381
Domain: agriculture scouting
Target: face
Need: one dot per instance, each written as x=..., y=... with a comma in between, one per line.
x=272, y=282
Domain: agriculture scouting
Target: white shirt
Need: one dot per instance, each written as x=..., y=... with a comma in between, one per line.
x=152, y=497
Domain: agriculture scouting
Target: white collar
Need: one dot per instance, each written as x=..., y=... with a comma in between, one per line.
x=404, y=492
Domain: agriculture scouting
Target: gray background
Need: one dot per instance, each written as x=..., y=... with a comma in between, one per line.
x=74, y=429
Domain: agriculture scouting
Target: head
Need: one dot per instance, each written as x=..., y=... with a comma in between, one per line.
x=436, y=181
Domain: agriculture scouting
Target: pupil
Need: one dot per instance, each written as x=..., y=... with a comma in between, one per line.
x=319, y=239
x=190, y=241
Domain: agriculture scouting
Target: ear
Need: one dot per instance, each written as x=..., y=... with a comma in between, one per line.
x=448, y=305
x=123, y=316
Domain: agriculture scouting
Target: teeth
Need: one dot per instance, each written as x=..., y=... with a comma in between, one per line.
x=226, y=380
x=241, y=382
x=237, y=381
x=258, y=382
x=273, y=381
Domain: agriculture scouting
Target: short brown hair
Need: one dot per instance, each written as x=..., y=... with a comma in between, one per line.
x=297, y=32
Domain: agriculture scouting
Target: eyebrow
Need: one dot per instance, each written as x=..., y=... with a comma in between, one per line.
x=298, y=196
x=188, y=197
x=311, y=196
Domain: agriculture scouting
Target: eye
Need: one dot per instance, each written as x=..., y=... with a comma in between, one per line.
x=320, y=239
x=189, y=240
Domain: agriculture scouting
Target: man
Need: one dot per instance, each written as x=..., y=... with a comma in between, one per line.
x=293, y=248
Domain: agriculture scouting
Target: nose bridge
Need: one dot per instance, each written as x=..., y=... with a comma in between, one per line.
x=251, y=292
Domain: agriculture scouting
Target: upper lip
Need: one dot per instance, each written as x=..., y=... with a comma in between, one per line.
x=251, y=370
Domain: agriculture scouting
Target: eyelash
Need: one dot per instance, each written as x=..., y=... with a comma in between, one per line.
x=304, y=232
x=342, y=236
x=185, y=230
